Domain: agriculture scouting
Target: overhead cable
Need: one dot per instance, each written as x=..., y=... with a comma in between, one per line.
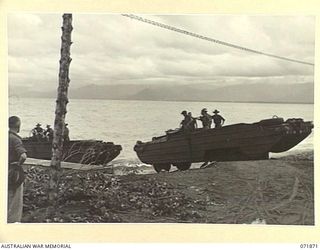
x=185, y=32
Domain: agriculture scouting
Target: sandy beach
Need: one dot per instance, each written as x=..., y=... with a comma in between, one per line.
x=274, y=191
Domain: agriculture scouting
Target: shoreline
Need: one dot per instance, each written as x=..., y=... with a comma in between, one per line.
x=274, y=191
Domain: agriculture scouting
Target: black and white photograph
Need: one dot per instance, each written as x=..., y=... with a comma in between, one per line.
x=160, y=118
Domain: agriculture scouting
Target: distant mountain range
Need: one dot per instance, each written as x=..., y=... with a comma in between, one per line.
x=278, y=93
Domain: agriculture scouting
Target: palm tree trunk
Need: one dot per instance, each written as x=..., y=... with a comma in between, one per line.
x=61, y=107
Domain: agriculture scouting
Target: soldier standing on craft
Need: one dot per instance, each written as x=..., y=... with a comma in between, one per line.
x=66, y=137
x=205, y=118
x=49, y=133
x=17, y=156
x=38, y=132
x=185, y=123
x=193, y=122
x=218, y=119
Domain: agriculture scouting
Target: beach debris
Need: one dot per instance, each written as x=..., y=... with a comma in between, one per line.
x=209, y=165
x=259, y=221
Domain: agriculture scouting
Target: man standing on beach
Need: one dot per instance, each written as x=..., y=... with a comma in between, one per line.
x=17, y=156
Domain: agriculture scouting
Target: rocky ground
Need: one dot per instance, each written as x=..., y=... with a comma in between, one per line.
x=275, y=191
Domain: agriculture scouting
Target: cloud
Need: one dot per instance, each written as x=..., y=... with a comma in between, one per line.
x=112, y=49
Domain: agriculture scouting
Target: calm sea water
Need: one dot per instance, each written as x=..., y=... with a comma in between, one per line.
x=125, y=122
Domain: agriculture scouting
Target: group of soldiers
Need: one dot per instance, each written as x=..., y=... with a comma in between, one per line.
x=189, y=123
x=40, y=134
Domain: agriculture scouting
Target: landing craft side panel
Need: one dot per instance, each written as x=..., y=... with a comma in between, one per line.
x=218, y=135
x=182, y=140
x=87, y=151
x=196, y=152
x=228, y=140
x=206, y=143
x=42, y=151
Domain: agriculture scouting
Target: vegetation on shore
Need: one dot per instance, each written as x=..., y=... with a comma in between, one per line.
x=275, y=191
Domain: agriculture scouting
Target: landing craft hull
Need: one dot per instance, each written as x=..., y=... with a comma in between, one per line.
x=230, y=143
x=77, y=151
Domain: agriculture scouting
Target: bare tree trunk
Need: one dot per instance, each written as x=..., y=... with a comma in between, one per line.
x=61, y=107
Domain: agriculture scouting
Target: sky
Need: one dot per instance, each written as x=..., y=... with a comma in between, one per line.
x=113, y=49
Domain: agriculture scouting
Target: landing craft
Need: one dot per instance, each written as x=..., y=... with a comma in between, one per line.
x=92, y=152
x=237, y=142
